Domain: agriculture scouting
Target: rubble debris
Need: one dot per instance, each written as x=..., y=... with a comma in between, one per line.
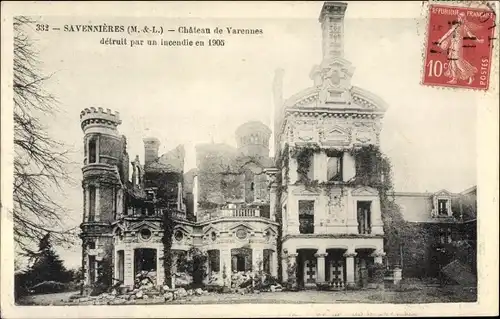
x=215, y=279
x=276, y=288
x=182, y=279
x=168, y=296
x=143, y=292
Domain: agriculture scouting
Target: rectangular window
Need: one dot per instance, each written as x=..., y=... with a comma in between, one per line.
x=442, y=207
x=92, y=203
x=334, y=168
x=364, y=217
x=305, y=168
x=92, y=150
x=306, y=216
x=214, y=256
x=445, y=235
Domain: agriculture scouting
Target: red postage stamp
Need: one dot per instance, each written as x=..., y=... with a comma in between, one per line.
x=459, y=47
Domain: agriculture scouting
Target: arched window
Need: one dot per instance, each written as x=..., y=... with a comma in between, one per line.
x=93, y=150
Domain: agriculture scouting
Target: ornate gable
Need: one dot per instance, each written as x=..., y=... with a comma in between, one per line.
x=210, y=228
x=242, y=225
x=144, y=224
x=442, y=193
x=182, y=229
x=364, y=191
x=335, y=135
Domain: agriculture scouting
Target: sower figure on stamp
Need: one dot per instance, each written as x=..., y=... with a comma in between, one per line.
x=452, y=41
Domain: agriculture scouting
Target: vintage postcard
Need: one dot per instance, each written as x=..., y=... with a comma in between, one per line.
x=249, y=159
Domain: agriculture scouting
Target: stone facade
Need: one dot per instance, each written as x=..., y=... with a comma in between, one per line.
x=227, y=214
x=331, y=232
x=248, y=212
x=447, y=221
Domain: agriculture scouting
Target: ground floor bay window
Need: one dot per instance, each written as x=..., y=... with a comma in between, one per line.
x=145, y=260
x=241, y=259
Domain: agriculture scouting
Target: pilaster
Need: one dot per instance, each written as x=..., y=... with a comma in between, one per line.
x=160, y=271
x=97, y=203
x=257, y=257
x=86, y=203
x=272, y=201
x=274, y=264
x=377, y=224
x=225, y=262
x=129, y=267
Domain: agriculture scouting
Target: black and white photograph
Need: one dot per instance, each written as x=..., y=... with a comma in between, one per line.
x=234, y=159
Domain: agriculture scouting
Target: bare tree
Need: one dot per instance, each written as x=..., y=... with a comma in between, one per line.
x=39, y=164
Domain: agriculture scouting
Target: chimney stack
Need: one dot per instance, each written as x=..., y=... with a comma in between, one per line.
x=151, y=146
x=332, y=25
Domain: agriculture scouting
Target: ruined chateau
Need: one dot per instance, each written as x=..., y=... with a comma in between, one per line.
x=300, y=213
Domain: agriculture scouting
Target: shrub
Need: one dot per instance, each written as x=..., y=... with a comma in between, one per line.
x=378, y=271
x=195, y=266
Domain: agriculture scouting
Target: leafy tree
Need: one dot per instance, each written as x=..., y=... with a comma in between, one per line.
x=48, y=266
x=39, y=161
x=195, y=265
x=168, y=230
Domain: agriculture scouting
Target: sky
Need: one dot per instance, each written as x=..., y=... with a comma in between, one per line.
x=190, y=95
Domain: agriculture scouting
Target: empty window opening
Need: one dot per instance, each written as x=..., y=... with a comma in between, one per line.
x=92, y=204
x=241, y=259
x=442, y=207
x=306, y=216
x=334, y=168
x=214, y=261
x=364, y=217
x=92, y=151
x=144, y=260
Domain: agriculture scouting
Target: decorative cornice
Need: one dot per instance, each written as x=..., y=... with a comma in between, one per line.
x=306, y=236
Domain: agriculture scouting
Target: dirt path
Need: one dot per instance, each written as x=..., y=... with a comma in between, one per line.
x=47, y=299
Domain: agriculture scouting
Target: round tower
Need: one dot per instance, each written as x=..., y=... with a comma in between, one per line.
x=252, y=139
x=103, y=177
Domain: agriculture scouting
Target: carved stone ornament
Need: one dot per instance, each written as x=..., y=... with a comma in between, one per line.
x=335, y=136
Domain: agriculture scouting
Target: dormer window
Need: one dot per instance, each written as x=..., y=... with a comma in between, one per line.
x=441, y=203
